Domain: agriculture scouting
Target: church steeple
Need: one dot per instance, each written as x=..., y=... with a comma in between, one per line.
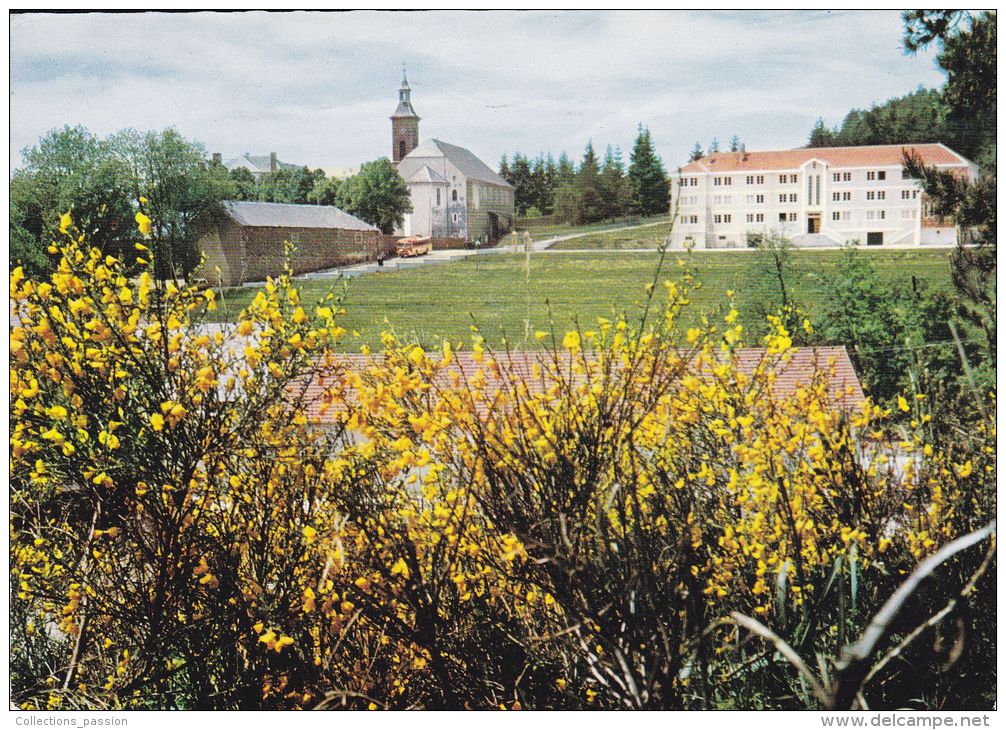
x=404, y=123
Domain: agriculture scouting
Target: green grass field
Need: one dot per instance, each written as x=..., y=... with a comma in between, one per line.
x=648, y=236
x=429, y=303
x=539, y=231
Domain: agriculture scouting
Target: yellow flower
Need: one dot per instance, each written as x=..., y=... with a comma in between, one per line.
x=144, y=223
x=157, y=422
x=539, y=335
x=65, y=221
x=964, y=470
x=571, y=341
x=310, y=534
x=400, y=568
x=902, y=404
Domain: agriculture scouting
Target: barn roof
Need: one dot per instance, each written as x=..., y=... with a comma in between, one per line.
x=289, y=215
x=879, y=155
x=799, y=370
x=465, y=160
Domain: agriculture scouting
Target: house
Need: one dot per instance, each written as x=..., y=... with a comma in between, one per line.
x=824, y=196
x=257, y=165
x=454, y=194
x=246, y=241
x=798, y=370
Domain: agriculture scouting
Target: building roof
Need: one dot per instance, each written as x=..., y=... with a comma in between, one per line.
x=289, y=215
x=799, y=370
x=470, y=166
x=257, y=163
x=426, y=175
x=879, y=155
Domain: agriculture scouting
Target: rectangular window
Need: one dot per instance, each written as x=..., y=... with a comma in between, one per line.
x=750, y=180
x=846, y=176
x=760, y=218
x=836, y=216
x=836, y=176
x=717, y=181
x=881, y=174
x=871, y=175
x=871, y=195
x=695, y=219
x=727, y=218
x=695, y=182
x=915, y=194
x=846, y=216
x=906, y=194
x=871, y=215
x=881, y=214
x=760, y=180
x=717, y=218
x=728, y=181
x=817, y=188
x=846, y=196
x=782, y=179
x=759, y=199
x=782, y=197
x=782, y=217
x=749, y=217
x=881, y=194
x=792, y=197
x=836, y=197
x=792, y=178
x=792, y=217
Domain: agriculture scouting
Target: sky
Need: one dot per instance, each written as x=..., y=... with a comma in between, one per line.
x=318, y=88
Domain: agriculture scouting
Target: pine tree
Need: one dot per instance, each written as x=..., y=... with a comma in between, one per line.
x=523, y=193
x=714, y=146
x=547, y=201
x=566, y=171
x=650, y=188
x=588, y=186
x=505, y=170
x=613, y=184
x=538, y=183
x=697, y=153
x=735, y=144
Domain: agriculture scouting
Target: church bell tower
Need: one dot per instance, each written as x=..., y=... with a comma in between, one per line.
x=404, y=124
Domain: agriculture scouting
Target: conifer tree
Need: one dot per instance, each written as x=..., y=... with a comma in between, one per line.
x=504, y=170
x=588, y=186
x=697, y=153
x=650, y=188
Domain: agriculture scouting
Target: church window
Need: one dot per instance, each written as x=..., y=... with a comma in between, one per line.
x=401, y=149
x=454, y=197
x=438, y=196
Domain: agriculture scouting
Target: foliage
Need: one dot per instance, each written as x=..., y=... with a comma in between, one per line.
x=376, y=194
x=650, y=187
x=181, y=536
x=101, y=181
x=914, y=118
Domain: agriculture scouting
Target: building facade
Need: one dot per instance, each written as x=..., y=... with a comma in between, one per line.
x=246, y=242
x=824, y=196
x=454, y=194
x=257, y=165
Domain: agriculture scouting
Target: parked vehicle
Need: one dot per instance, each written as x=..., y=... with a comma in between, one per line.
x=414, y=246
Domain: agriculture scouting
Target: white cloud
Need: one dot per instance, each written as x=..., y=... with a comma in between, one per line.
x=318, y=88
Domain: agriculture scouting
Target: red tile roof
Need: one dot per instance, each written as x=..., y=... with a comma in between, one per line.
x=879, y=155
x=799, y=370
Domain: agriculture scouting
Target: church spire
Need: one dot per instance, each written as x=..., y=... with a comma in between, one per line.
x=404, y=123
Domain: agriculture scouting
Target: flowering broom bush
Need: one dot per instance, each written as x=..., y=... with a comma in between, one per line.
x=620, y=522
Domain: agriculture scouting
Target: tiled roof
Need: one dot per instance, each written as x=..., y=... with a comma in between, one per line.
x=804, y=363
x=465, y=160
x=879, y=155
x=289, y=215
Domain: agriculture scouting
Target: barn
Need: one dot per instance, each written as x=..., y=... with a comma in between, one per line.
x=246, y=241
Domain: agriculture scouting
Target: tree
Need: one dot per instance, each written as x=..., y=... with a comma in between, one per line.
x=245, y=187
x=288, y=185
x=615, y=187
x=588, y=187
x=650, y=188
x=735, y=144
x=376, y=194
x=565, y=171
x=546, y=201
x=696, y=153
x=325, y=191
x=524, y=194
x=504, y=170
x=714, y=146
x=181, y=187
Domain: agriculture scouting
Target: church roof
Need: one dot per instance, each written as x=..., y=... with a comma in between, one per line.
x=426, y=175
x=257, y=163
x=289, y=215
x=465, y=160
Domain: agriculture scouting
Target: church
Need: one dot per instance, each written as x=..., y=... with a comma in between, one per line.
x=454, y=194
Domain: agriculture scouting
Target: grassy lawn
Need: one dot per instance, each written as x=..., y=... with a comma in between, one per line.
x=565, y=229
x=431, y=302
x=650, y=236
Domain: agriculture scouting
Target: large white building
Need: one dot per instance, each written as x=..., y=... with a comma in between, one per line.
x=823, y=196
